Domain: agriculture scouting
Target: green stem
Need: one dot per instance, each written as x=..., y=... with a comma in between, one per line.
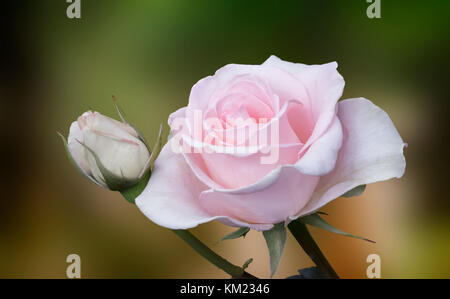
x=304, y=238
x=191, y=240
x=211, y=256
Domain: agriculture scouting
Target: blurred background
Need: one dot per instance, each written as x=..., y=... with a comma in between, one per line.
x=149, y=54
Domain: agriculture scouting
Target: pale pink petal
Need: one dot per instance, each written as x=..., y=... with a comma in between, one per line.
x=288, y=66
x=171, y=197
x=234, y=170
x=112, y=128
x=283, y=84
x=285, y=196
x=76, y=149
x=323, y=83
x=372, y=151
x=248, y=85
x=324, y=86
x=321, y=157
x=180, y=113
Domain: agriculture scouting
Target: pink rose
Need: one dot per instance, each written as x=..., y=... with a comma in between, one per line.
x=315, y=149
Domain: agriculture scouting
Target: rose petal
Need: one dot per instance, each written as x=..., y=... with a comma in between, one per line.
x=372, y=151
x=76, y=149
x=281, y=83
x=107, y=126
x=291, y=67
x=321, y=157
x=235, y=170
x=170, y=198
x=324, y=86
x=232, y=172
x=288, y=192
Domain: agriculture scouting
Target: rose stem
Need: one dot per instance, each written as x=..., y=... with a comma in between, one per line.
x=197, y=245
x=308, y=244
x=214, y=258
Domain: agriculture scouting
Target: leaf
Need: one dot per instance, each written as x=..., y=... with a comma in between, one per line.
x=355, y=191
x=308, y=273
x=247, y=263
x=241, y=232
x=317, y=221
x=276, y=242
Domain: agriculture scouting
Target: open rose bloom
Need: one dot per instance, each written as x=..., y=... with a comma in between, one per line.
x=309, y=149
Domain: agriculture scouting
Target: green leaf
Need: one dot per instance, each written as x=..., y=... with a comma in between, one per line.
x=276, y=242
x=241, y=232
x=355, y=191
x=317, y=221
x=247, y=263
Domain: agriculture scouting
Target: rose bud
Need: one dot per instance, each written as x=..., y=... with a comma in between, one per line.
x=110, y=153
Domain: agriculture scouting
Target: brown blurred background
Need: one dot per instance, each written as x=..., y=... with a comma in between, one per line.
x=149, y=54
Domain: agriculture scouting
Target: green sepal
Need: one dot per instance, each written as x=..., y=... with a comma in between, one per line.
x=276, y=242
x=241, y=232
x=131, y=193
x=113, y=181
x=148, y=167
x=156, y=148
x=74, y=164
x=317, y=221
x=355, y=191
x=122, y=117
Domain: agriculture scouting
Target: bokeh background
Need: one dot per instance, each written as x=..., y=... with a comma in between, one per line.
x=149, y=54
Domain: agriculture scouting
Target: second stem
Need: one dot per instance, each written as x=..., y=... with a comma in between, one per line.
x=304, y=238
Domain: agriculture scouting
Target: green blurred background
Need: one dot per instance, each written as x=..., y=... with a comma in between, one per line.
x=149, y=54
